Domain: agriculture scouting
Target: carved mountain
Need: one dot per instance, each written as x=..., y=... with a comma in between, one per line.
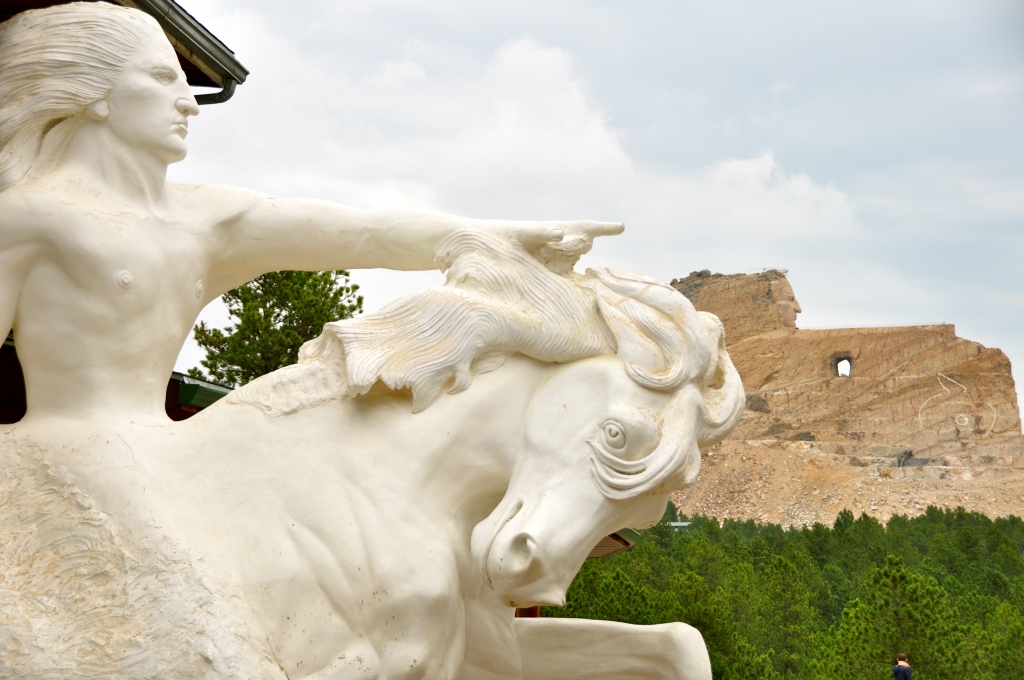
x=916, y=411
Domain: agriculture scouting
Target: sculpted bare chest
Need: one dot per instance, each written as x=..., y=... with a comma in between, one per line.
x=127, y=262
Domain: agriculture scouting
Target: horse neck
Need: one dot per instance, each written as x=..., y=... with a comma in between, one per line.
x=461, y=450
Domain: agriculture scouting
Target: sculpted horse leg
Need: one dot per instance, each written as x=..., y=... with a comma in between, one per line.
x=492, y=651
x=580, y=649
x=501, y=647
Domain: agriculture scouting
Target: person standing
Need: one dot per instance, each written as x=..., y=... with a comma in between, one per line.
x=901, y=671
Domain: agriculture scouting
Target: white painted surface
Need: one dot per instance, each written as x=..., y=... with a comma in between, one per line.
x=343, y=517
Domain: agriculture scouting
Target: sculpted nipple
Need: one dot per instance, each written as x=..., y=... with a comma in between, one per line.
x=125, y=278
x=200, y=288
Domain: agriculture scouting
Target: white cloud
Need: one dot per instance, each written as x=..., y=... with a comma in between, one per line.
x=881, y=176
x=753, y=198
x=523, y=139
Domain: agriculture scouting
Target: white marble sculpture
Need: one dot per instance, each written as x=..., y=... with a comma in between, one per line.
x=343, y=517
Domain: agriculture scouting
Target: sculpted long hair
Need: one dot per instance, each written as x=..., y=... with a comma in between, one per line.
x=54, y=63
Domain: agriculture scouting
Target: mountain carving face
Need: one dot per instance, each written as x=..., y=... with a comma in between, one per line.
x=900, y=406
x=752, y=303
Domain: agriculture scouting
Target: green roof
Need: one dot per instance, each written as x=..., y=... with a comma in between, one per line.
x=198, y=393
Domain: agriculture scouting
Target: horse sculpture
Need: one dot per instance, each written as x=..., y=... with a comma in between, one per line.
x=373, y=528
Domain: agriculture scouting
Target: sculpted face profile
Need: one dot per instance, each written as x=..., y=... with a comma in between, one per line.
x=377, y=510
x=785, y=298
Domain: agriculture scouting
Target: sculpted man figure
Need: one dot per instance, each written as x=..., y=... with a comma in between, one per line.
x=104, y=265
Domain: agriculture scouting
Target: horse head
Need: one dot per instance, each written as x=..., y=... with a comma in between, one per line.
x=609, y=437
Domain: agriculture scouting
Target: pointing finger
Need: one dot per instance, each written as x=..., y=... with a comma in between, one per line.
x=607, y=228
x=595, y=228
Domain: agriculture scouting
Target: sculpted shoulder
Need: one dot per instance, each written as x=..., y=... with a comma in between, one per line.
x=26, y=213
x=214, y=204
x=40, y=209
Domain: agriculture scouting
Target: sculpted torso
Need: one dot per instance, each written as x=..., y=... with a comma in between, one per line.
x=109, y=293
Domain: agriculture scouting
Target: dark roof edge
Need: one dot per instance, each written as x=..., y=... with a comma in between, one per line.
x=630, y=536
x=194, y=37
x=189, y=380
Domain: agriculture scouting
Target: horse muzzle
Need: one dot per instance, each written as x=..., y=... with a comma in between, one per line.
x=520, y=575
x=514, y=562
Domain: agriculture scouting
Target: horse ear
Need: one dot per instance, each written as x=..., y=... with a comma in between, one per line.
x=656, y=329
x=632, y=345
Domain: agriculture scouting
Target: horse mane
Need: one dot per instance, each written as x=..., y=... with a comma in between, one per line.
x=497, y=300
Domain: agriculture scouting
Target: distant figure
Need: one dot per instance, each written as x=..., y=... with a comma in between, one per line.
x=785, y=299
x=901, y=671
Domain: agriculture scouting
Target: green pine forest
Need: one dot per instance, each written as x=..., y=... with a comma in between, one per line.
x=836, y=603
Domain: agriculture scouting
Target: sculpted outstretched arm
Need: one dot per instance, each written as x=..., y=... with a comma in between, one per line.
x=276, y=233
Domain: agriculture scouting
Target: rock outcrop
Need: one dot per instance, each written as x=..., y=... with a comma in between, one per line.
x=857, y=405
x=747, y=304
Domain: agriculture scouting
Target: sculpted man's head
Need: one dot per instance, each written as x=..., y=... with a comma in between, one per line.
x=785, y=298
x=66, y=67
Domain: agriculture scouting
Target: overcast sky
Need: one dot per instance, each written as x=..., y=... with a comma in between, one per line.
x=873, y=149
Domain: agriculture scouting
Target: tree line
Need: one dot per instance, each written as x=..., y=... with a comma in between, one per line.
x=836, y=603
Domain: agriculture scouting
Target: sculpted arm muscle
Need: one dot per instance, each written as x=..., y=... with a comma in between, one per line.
x=14, y=262
x=309, y=234
x=279, y=233
x=17, y=252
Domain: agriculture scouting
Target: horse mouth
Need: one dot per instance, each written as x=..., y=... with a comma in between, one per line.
x=486, y=556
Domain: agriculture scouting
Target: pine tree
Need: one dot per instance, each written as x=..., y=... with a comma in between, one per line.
x=691, y=601
x=1004, y=643
x=274, y=314
x=784, y=615
x=902, y=612
x=827, y=604
x=610, y=596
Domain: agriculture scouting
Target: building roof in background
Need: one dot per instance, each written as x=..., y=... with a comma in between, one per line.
x=621, y=540
x=207, y=61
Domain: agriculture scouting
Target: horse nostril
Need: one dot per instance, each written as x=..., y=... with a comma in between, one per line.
x=521, y=553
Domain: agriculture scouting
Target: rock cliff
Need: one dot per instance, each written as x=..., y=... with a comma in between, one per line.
x=883, y=420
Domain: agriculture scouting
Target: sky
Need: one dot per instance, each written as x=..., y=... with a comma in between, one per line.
x=875, y=150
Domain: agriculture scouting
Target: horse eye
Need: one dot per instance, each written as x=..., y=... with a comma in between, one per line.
x=614, y=435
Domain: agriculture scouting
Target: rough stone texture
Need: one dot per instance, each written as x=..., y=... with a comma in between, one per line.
x=797, y=483
x=746, y=303
x=924, y=417
x=80, y=600
x=915, y=391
